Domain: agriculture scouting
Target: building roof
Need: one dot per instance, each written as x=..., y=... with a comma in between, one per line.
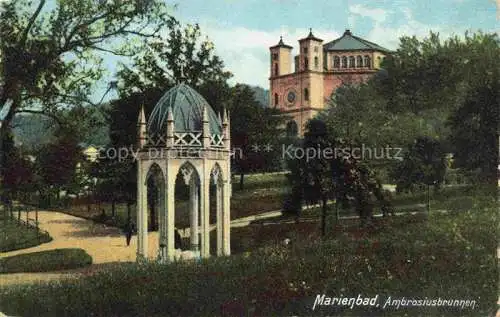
x=187, y=109
x=349, y=42
x=281, y=44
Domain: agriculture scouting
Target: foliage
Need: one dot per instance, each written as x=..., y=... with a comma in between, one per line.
x=320, y=172
x=180, y=55
x=45, y=261
x=436, y=257
x=57, y=162
x=255, y=133
x=18, y=172
x=423, y=164
x=475, y=127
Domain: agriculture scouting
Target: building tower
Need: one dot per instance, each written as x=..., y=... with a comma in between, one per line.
x=281, y=64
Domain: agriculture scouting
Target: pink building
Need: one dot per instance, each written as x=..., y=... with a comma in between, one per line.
x=319, y=69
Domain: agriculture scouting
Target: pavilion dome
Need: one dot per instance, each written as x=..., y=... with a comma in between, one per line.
x=187, y=109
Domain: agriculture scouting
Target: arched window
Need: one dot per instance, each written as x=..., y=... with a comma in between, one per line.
x=306, y=94
x=359, y=61
x=316, y=62
x=336, y=62
x=352, y=62
x=276, y=99
x=368, y=62
x=276, y=70
x=292, y=129
x=306, y=63
x=344, y=62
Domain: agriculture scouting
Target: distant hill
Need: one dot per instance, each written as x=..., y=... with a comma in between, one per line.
x=34, y=131
x=262, y=95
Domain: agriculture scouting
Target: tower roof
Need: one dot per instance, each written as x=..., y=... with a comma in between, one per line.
x=311, y=37
x=186, y=106
x=350, y=42
x=281, y=44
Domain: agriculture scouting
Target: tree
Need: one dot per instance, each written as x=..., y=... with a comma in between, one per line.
x=255, y=133
x=50, y=54
x=476, y=121
x=423, y=164
x=19, y=176
x=57, y=164
x=320, y=173
x=180, y=55
x=311, y=175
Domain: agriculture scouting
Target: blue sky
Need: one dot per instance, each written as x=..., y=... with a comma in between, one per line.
x=243, y=30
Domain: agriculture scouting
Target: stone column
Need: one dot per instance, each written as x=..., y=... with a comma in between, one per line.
x=170, y=211
x=162, y=221
x=205, y=215
x=226, y=216
x=194, y=215
x=142, y=213
x=220, y=218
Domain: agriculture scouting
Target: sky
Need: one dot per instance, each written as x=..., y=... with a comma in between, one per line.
x=243, y=30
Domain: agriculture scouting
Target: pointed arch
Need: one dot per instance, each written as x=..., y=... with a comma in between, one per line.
x=156, y=171
x=216, y=174
x=189, y=172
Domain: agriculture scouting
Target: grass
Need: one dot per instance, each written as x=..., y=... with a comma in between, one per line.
x=448, y=256
x=15, y=236
x=46, y=261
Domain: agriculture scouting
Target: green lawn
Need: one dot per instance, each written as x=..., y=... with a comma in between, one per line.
x=448, y=256
x=14, y=236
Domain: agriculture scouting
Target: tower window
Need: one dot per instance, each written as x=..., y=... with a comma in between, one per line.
x=315, y=49
x=368, y=62
x=305, y=50
x=359, y=61
x=306, y=63
x=276, y=100
x=344, y=62
x=276, y=70
x=306, y=94
x=275, y=56
x=351, y=62
x=336, y=62
x=316, y=62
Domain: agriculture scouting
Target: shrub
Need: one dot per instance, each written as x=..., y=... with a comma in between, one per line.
x=44, y=261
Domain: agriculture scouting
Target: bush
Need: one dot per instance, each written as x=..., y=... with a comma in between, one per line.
x=45, y=261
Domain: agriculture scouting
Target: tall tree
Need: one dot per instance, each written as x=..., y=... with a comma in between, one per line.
x=179, y=55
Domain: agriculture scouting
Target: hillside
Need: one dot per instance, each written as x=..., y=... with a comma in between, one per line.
x=262, y=95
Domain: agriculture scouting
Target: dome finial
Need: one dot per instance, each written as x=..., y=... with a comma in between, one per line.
x=182, y=77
